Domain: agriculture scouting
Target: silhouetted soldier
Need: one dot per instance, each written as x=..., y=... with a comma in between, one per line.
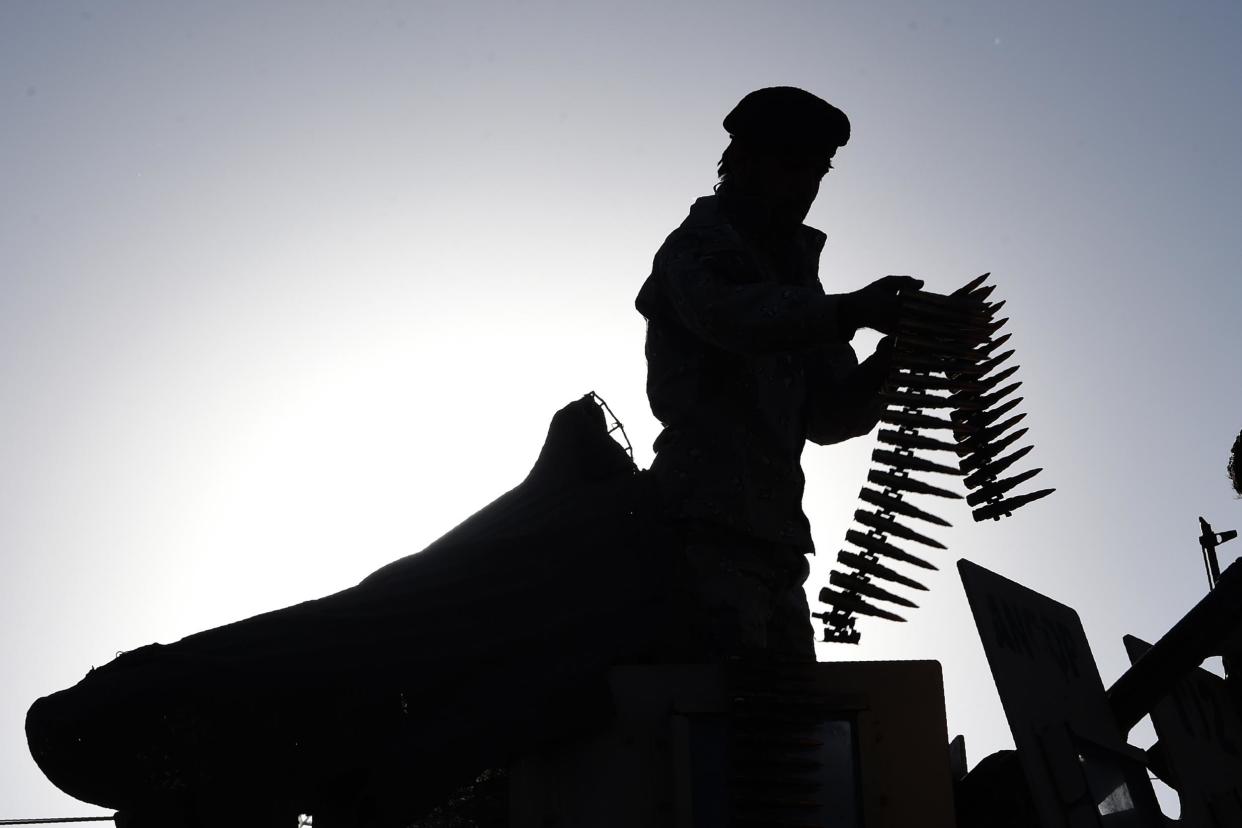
x=747, y=359
x=1235, y=465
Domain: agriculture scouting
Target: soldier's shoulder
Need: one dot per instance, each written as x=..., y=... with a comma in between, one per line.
x=704, y=230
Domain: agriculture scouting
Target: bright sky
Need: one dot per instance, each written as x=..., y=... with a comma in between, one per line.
x=291, y=288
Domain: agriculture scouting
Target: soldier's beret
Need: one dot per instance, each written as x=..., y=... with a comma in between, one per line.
x=785, y=117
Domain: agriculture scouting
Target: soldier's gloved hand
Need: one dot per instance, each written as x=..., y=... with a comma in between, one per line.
x=876, y=368
x=878, y=305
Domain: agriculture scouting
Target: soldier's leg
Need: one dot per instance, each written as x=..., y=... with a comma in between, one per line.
x=731, y=604
x=791, y=635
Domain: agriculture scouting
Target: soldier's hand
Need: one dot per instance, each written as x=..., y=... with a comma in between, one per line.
x=878, y=305
x=876, y=368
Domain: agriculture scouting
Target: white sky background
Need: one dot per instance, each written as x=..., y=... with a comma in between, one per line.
x=288, y=292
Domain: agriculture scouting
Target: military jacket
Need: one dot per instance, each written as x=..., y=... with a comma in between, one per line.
x=746, y=361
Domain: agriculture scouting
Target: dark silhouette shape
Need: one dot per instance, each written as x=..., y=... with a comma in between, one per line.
x=1235, y=465
x=372, y=705
x=1198, y=732
x=1209, y=628
x=944, y=360
x=995, y=793
x=748, y=358
x=1070, y=734
x=1209, y=539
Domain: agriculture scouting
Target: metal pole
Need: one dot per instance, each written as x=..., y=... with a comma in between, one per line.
x=53, y=820
x=1207, y=542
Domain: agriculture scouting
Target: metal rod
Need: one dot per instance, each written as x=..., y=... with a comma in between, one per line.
x=53, y=820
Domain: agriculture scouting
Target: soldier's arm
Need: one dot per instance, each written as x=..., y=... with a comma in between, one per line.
x=714, y=291
x=843, y=397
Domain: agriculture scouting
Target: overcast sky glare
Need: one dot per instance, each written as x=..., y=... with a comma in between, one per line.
x=289, y=289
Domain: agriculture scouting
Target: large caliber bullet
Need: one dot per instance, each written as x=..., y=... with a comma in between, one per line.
x=905, y=483
x=876, y=569
x=928, y=382
x=885, y=549
x=980, y=420
x=919, y=306
x=920, y=361
x=982, y=294
x=853, y=583
x=932, y=345
x=897, y=506
x=931, y=327
x=913, y=419
x=911, y=463
x=1005, y=507
x=979, y=441
x=910, y=400
x=975, y=416
x=991, y=363
x=996, y=325
x=982, y=352
x=991, y=381
x=994, y=468
x=989, y=451
x=998, y=487
x=961, y=303
x=988, y=400
x=877, y=521
x=852, y=603
x=965, y=289
x=905, y=439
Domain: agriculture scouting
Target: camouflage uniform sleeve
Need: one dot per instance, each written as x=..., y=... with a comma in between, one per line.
x=717, y=293
x=843, y=396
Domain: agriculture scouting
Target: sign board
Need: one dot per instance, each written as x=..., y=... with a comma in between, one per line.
x=1078, y=766
x=1201, y=741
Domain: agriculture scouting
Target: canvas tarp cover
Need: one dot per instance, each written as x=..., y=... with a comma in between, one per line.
x=437, y=665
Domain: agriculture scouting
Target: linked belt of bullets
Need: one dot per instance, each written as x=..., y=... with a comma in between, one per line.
x=949, y=375
x=776, y=746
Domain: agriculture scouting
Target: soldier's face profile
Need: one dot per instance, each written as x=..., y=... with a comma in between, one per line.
x=785, y=185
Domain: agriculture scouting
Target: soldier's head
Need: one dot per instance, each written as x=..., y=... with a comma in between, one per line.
x=782, y=141
x=1235, y=465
